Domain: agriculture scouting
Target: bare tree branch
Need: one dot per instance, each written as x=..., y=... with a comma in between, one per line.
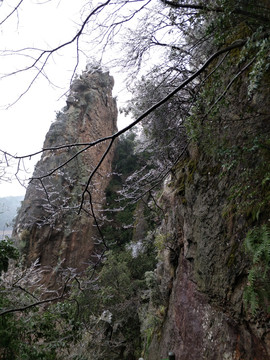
x=96, y=221
x=25, y=290
x=46, y=54
x=37, y=303
x=97, y=167
x=108, y=31
x=12, y=12
x=64, y=163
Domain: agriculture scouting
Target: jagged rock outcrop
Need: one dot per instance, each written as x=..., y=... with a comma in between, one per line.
x=48, y=225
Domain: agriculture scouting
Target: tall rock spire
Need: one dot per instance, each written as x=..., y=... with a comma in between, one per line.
x=48, y=224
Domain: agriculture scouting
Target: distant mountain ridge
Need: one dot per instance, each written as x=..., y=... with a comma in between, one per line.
x=8, y=210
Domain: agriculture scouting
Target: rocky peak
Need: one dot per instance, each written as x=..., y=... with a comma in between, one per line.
x=48, y=225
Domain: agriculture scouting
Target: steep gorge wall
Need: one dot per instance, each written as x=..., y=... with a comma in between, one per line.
x=48, y=226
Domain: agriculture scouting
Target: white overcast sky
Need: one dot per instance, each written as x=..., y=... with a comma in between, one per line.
x=36, y=24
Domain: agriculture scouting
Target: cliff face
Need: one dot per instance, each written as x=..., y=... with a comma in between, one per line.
x=48, y=225
x=205, y=316
x=210, y=203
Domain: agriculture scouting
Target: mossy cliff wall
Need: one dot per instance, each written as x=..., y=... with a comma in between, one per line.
x=215, y=195
x=48, y=226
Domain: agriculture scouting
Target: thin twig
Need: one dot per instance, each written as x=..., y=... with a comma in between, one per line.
x=96, y=222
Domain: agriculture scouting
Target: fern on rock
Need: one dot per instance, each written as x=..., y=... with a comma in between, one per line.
x=257, y=291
